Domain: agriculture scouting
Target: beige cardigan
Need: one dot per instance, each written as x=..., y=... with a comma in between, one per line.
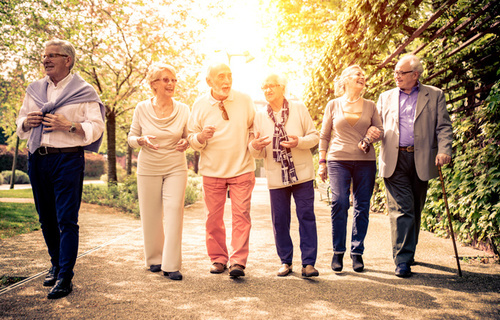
x=299, y=124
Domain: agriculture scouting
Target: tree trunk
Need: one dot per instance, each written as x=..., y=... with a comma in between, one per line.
x=14, y=165
x=129, y=160
x=196, y=160
x=111, y=139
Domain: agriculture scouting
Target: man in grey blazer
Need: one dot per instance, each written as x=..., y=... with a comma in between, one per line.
x=417, y=138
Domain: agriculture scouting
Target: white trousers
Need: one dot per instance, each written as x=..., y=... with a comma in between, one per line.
x=161, y=202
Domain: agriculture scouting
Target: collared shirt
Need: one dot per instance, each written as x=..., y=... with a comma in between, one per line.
x=88, y=114
x=407, y=107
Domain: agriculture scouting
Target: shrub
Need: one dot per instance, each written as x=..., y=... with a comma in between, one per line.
x=94, y=164
x=7, y=157
x=21, y=177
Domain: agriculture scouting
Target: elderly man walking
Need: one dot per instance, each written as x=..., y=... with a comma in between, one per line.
x=418, y=138
x=61, y=116
x=220, y=127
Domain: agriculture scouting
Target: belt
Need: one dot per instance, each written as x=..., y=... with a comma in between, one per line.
x=49, y=150
x=407, y=149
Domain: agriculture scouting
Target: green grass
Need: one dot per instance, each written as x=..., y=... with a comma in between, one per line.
x=17, y=218
x=16, y=193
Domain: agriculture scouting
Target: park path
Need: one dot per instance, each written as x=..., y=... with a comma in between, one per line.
x=111, y=281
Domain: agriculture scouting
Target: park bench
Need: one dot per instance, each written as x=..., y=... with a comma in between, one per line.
x=324, y=192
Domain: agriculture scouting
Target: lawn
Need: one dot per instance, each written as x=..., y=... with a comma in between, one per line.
x=16, y=193
x=17, y=218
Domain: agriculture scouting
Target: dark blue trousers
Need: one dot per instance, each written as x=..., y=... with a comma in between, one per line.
x=57, y=182
x=303, y=194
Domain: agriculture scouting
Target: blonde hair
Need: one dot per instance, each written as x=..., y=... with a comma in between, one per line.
x=339, y=82
x=155, y=72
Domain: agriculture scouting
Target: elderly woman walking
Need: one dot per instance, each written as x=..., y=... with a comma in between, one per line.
x=350, y=125
x=284, y=135
x=159, y=128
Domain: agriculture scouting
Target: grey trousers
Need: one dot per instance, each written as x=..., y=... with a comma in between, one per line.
x=406, y=195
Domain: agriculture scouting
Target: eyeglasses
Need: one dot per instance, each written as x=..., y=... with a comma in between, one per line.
x=53, y=55
x=167, y=80
x=269, y=86
x=224, y=112
x=401, y=73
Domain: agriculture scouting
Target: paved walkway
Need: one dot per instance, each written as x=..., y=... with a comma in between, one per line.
x=111, y=281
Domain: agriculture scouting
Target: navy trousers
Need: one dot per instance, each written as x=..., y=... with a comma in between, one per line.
x=57, y=182
x=303, y=194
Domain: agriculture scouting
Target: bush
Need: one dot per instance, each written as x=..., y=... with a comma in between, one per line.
x=21, y=177
x=95, y=164
x=1, y=178
x=7, y=157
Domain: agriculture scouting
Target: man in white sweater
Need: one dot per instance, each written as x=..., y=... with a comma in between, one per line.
x=220, y=127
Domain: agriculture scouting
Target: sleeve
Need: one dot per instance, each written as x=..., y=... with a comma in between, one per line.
x=194, y=127
x=23, y=114
x=311, y=135
x=326, y=127
x=444, y=129
x=135, y=130
x=257, y=127
x=377, y=122
x=93, y=126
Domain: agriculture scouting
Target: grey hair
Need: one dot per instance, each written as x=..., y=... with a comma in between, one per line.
x=155, y=71
x=66, y=47
x=213, y=66
x=415, y=63
x=281, y=80
x=339, y=83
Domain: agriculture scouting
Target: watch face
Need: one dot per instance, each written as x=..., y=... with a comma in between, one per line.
x=73, y=128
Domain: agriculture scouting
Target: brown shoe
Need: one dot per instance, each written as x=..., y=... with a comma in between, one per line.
x=217, y=267
x=284, y=270
x=309, y=271
x=236, y=271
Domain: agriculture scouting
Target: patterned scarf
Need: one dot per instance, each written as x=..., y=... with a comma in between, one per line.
x=281, y=154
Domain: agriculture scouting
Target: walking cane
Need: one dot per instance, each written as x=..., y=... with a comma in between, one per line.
x=449, y=220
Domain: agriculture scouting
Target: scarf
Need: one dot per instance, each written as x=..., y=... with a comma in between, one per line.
x=76, y=91
x=281, y=154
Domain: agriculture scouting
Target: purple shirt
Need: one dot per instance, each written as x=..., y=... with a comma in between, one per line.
x=407, y=107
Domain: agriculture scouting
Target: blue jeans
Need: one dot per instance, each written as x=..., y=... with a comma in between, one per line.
x=362, y=175
x=57, y=183
x=303, y=194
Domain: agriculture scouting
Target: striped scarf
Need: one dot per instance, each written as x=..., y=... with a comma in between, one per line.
x=281, y=154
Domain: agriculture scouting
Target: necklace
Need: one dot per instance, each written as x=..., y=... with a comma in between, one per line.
x=348, y=101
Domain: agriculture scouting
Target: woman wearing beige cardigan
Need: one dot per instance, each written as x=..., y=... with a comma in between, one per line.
x=159, y=129
x=284, y=135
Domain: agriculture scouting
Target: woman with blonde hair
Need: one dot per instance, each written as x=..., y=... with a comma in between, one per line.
x=350, y=125
x=159, y=128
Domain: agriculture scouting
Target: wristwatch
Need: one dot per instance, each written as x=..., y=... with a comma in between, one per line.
x=72, y=129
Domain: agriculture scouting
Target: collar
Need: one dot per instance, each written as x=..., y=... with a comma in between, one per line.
x=63, y=82
x=415, y=88
x=215, y=102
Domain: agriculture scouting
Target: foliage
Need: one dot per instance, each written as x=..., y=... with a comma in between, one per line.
x=7, y=157
x=94, y=164
x=21, y=177
x=17, y=218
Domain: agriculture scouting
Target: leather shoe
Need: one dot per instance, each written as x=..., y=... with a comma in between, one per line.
x=337, y=262
x=175, y=275
x=236, y=270
x=62, y=288
x=357, y=262
x=51, y=277
x=217, y=267
x=309, y=271
x=155, y=268
x=284, y=270
x=403, y=270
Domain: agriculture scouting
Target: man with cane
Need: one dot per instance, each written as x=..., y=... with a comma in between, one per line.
x=417, y=140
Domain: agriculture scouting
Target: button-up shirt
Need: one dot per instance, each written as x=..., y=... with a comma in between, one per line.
x=407, y=107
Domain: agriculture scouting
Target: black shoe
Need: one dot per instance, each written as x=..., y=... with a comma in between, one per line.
x=62, y=288
x=174, y=275
x=357, y=262
x=403, y=270
x=155, y=268
x=51, y=277
x=337, y=262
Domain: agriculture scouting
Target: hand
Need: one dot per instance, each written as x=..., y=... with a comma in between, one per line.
x=55, y=122
x=33, y=120
x=260, y=143
x=323, y=172
x=442, y=159
x=292, y=142
x=145, y=141
x=182, y=145
x=373, y=133
x=205, y=134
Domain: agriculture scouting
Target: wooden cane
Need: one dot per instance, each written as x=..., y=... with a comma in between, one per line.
x=449, y=221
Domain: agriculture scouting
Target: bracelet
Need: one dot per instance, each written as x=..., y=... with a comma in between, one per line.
x=321, y=161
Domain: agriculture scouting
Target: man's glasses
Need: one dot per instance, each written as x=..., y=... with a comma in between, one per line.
x=401, y=73
x=224, y=112
x=166, y=80
x=269, y=86
x=53, y=55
